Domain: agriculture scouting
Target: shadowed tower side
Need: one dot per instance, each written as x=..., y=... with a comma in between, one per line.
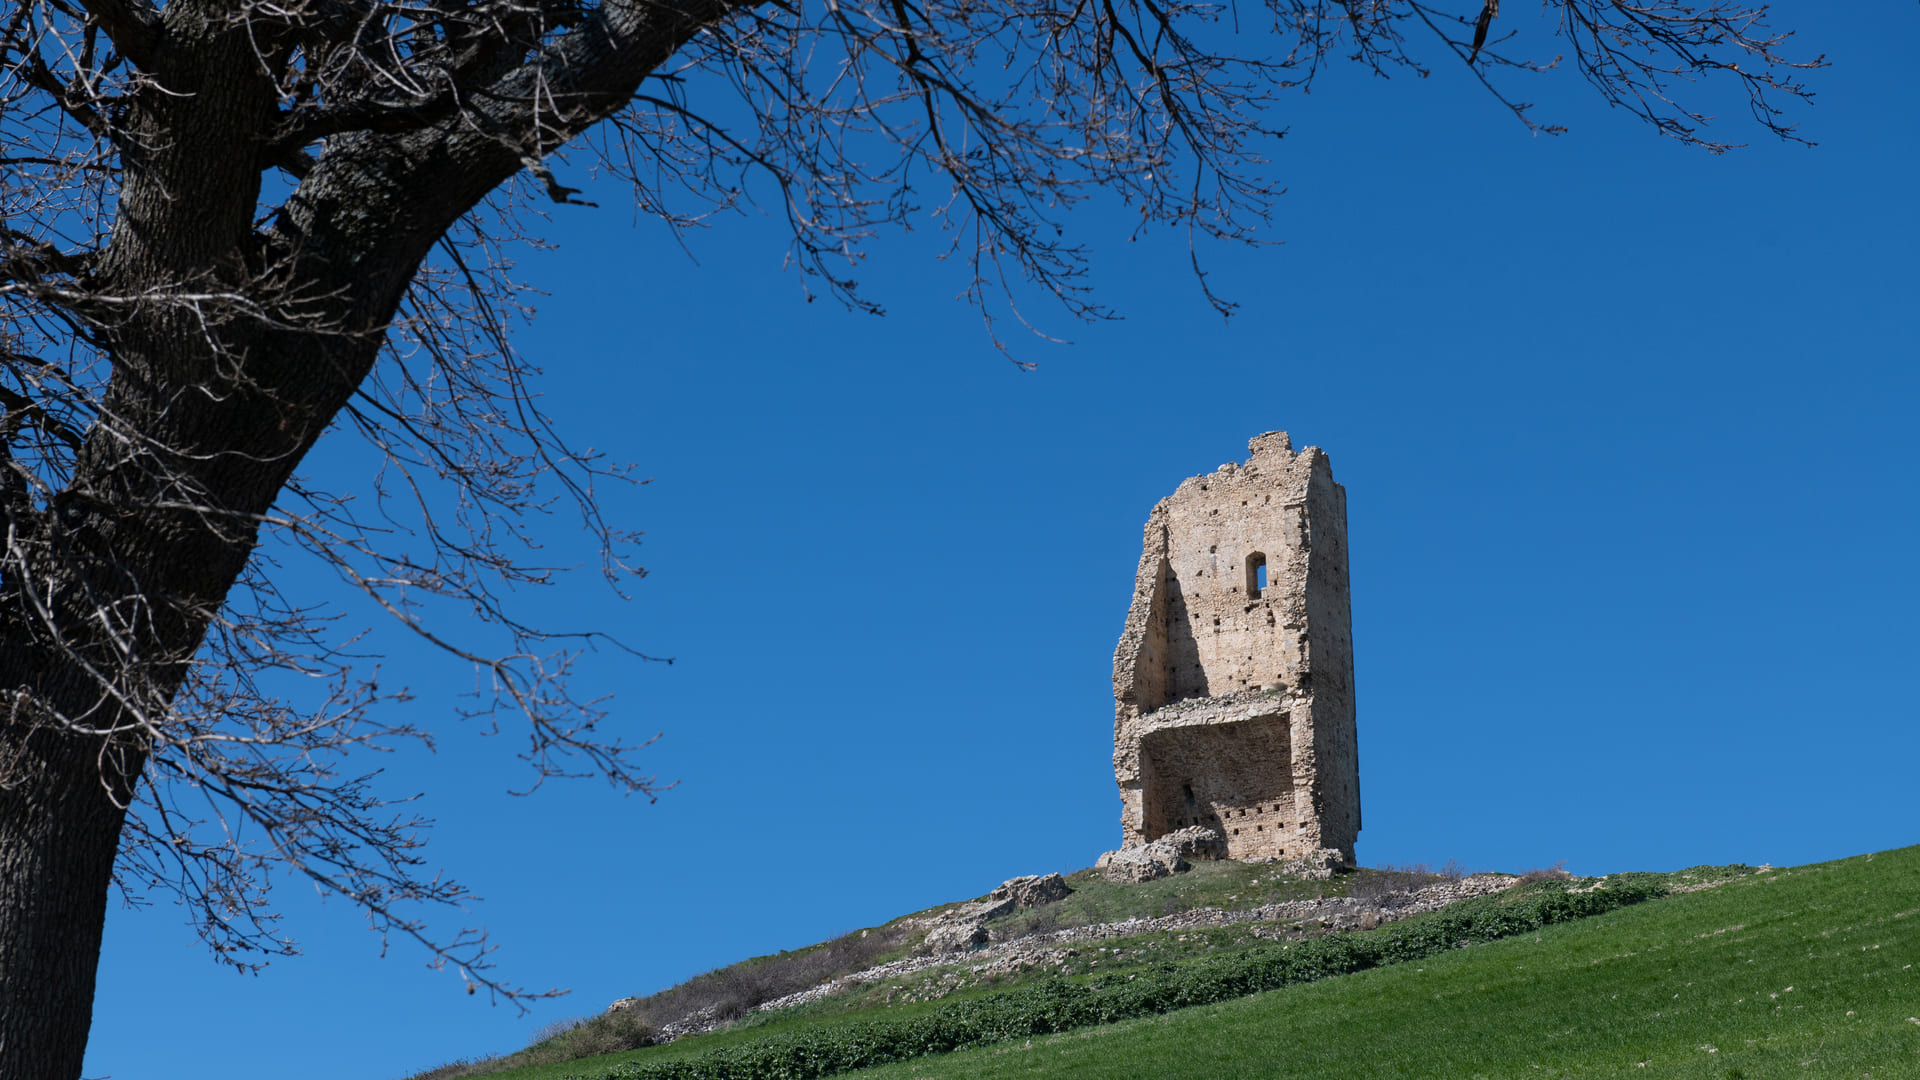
x=1233, y=680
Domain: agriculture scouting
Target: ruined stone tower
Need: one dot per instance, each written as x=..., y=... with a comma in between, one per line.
x=1233, y=681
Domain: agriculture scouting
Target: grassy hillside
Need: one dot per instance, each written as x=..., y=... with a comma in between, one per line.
x=1799, y=972
x=729, y=993
x=1802, y=972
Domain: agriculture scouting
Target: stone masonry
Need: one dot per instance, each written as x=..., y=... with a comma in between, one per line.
x=1233, y=680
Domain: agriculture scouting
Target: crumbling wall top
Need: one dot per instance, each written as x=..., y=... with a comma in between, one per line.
x=1269, y=442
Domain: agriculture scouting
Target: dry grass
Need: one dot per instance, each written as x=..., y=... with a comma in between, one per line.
x=723, y=994
x=730, y=992
x=560, y=1041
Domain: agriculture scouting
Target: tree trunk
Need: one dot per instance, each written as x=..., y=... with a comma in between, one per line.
x=59, y=831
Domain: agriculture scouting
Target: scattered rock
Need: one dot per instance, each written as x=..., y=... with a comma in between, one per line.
x=1163, y=857
x=962, y=928
x=1316, y=865
x=1195, y=842
x=957, y=935
x=992, y=907
x=1032, y=890
x=1131, y=866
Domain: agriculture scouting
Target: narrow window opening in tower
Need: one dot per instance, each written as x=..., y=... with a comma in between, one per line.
x=1256, y=575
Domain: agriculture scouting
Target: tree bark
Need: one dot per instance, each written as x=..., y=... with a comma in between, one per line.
x=59, y=832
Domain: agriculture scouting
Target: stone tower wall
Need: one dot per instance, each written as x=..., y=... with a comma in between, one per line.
x=1234, y=697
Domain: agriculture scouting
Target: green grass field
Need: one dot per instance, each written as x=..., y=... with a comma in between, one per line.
x=1808, y=972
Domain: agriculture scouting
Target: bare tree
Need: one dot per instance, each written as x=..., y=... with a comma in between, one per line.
x=232, y=225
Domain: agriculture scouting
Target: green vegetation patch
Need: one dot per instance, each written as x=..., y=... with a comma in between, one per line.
x=1060, y=1005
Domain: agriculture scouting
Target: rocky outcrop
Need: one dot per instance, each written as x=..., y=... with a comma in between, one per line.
x=1316, y=865
x=1130, y=866
x=1163, y=857
x=955, y=935
x=1032, y=890
x=963, y=928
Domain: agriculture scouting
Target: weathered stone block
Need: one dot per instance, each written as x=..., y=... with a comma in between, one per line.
x=1163, y=857
x=1032, y=890
x=1195, y=842
x=1130, y=866
x=959, y=935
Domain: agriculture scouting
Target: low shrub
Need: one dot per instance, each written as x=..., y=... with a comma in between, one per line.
x=1383, y=885
x=1059, y=1005
x=1556, y=872
x=570, y=1040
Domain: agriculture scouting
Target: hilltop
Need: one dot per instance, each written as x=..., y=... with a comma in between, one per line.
x=1554, y=971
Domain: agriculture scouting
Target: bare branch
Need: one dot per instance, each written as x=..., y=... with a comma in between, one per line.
x=228, y=228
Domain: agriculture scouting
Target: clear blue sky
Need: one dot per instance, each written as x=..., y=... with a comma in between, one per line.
x=1629, y=439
